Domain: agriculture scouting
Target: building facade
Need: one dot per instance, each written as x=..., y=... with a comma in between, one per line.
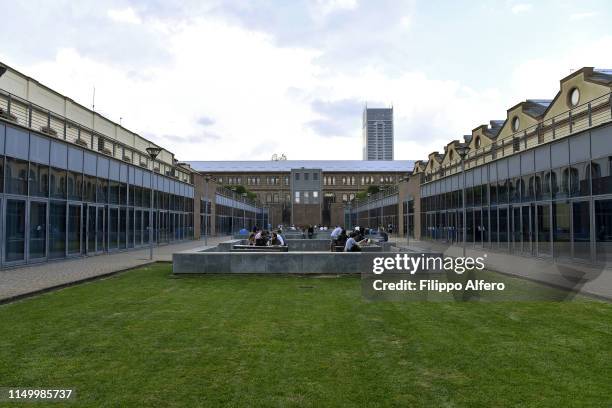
x=73, y=183
x=329, y=187
x=377, y=130
x=536, y=183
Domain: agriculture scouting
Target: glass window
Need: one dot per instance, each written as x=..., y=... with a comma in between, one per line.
x=38, y=229
x=39, y=149
x=59, y=155
x=503, y=227
x=559, y=180
x=544, y=228
x=582, y=229
x=75, y=186
x=561, y=229
x=101, y=190
x=16, y=176
x=74, y=229
x=39, y=180
x=122, y=227
x=15, y=231
x=600, y=174
x=90, y=188
x=527, y=188
x=603, y=230
x=57, y=229
x=579, y=179
x=75, y=159
x=113, y=226
x=514, y=190
x=114, y=192
x=17, y=143
x=58, y=183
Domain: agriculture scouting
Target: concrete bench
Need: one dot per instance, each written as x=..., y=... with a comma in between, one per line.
x=253, y=248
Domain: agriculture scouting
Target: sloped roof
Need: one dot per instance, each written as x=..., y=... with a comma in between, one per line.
x=287, y=165
x=536, y=107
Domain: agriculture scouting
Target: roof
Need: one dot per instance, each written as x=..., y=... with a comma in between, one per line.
x=286, y=165
x=536, y=107
x=602, y=75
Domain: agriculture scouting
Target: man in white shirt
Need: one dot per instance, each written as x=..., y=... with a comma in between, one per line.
x=350, y=243
x=336, y=232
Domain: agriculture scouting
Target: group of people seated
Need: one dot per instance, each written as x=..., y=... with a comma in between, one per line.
x=261, y=237
x=353, y=241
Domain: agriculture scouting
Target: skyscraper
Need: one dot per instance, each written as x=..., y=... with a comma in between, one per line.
x=377, y=133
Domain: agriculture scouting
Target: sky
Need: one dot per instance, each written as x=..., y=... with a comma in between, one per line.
x=243, y=80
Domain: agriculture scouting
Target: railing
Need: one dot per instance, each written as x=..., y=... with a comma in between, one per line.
x=27, y=114
x=226, y=192
x=575, y=120
x=383, y=193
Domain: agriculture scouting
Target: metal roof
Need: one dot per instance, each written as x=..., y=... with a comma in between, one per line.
x=286, y=165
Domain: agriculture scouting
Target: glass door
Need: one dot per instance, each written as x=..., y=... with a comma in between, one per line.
x=113, y=228
x=90, y=212
x=527, y=228
x=543, y=227
x=15, y=232
x=581, y=230
x=516, y=229
x=74, y=229
x=100, y=229
x=38, y=231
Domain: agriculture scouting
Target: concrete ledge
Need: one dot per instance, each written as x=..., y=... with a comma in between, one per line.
x=193, y=261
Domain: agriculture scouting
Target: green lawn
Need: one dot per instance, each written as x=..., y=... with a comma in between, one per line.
x=144, y=338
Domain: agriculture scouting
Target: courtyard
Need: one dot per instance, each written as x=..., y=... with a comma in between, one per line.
x=148, y=338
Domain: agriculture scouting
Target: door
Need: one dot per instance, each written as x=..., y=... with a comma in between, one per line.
x=91, y=229
x=74, y=229
x=527, y=228
x=113, y=228
x=581, y=230
x=15, y=232
x=544, y=229
x=100, y=229
x=516, y=229
x=37, y=250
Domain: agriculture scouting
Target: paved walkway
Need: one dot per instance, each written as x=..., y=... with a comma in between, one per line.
x=595, y=280
x=34, y=278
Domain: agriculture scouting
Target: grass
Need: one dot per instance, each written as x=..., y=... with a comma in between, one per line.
x=144, y=338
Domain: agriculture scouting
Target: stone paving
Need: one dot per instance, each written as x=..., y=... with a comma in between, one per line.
x=29, y=279
x=594, y=280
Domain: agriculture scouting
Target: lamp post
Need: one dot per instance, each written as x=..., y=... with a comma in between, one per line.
x=405, y=179
x=207, y=178
x=153, y=152
x=462, y=149
x=244, y=195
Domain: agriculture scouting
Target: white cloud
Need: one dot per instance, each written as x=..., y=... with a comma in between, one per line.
x=521, y=8
x=406, y=22
x=127, y=15
x=326, y=7
x=221, y=91
x=584, y=15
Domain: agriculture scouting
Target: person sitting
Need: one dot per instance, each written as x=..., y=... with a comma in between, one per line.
x=260, y=238
x=351, y=244
x=310, y=231
x=274, y=241
x=336, y=232
x=280, y=237
x=340, y=241
x=384, y=237
x=251, y=239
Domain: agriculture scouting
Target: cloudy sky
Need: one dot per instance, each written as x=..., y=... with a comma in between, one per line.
x=223, y=80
